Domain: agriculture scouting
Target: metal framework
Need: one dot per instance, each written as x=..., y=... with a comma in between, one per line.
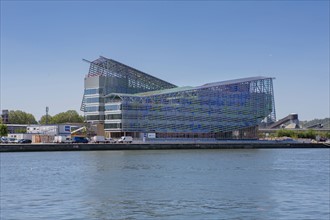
x=118, y=77
x=212, y=108
x=132, y=101
x=133, y=79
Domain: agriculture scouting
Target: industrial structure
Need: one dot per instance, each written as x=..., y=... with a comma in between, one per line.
x=126, y=101
x=291, y=121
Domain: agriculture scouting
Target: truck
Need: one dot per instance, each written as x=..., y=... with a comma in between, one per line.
x=19, y=136
x=101, y=139
x=62, y=139
x=125, y=139
x=98, y=139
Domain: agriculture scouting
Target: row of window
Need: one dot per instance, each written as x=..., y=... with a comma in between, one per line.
x=93, y=91
x=179, y=127
x=211, y=102
x=112, y=107
x=113, y=116
x=102, y=108
x=94, y=117
x=94, y=100
x=94, y=108
x=102, y=117
x=112, y=126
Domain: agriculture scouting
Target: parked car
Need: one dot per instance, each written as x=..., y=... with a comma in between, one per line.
x=125, y=139
x=24, y=141
x=11, y=140
x=79, y=140
x=4, y=140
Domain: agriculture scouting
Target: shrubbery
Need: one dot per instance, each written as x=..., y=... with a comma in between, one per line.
x=311, y=134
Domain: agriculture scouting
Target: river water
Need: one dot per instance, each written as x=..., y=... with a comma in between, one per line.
x=166, y=184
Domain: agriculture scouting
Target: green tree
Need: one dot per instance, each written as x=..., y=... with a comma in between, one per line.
x=3, y=130
x=70, y=116
x=43, y=120
x=20, y=117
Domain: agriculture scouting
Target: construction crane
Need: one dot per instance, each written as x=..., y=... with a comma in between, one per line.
x=81, y=132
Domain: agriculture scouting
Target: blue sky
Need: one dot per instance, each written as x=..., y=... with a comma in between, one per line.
x=187, y=43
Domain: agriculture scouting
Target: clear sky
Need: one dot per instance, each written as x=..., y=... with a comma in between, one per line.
x=187, y=43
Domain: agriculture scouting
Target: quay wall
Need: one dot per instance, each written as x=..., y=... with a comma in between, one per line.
x=157, y=146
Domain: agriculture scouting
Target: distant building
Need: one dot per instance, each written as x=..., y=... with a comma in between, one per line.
x=126, y=101
x=56, y=129
x=16, y=128
x=5, y=117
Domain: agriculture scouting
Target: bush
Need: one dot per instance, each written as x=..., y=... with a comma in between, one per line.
x=286, y=133
x=311, y=134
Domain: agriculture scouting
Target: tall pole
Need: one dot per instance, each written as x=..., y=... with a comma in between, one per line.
x=47, y=114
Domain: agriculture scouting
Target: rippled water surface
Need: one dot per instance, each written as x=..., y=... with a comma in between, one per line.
x=187, y=184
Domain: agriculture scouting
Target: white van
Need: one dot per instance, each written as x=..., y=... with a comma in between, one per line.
x=98, y=139
x=62, y=139
x=125, y=139
x=101, y=139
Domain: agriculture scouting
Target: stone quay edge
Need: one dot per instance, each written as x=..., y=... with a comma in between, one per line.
x=157, y=146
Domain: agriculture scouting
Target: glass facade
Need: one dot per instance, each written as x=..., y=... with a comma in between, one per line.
x=112, y=107
x=207, y=109
x=93, y=91
x=228, y=109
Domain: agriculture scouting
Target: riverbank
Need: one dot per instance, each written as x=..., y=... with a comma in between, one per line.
x=159, y=146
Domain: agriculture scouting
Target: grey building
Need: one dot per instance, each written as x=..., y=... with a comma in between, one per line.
x=126, y=101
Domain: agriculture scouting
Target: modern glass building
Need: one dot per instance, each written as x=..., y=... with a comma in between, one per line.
x=126, y=101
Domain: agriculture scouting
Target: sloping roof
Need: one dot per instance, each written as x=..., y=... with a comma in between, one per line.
x=115, y=68
x=165, y=91
x=187, y=88
x=234, y=81
x=151, y=93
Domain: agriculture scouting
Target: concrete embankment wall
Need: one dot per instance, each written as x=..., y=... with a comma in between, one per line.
x=154, y=146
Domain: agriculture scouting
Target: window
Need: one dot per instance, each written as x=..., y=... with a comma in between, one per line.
x=112, y=126
x=94, y=108
x=94, y=100
x=112, y=107
x=93, y=91
x=113, y=116
x=95, y=117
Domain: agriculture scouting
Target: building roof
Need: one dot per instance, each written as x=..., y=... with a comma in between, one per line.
x=234, y=81
x=187, y=88
x=108, y=67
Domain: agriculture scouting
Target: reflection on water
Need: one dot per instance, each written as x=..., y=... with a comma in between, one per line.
x=165, y=184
